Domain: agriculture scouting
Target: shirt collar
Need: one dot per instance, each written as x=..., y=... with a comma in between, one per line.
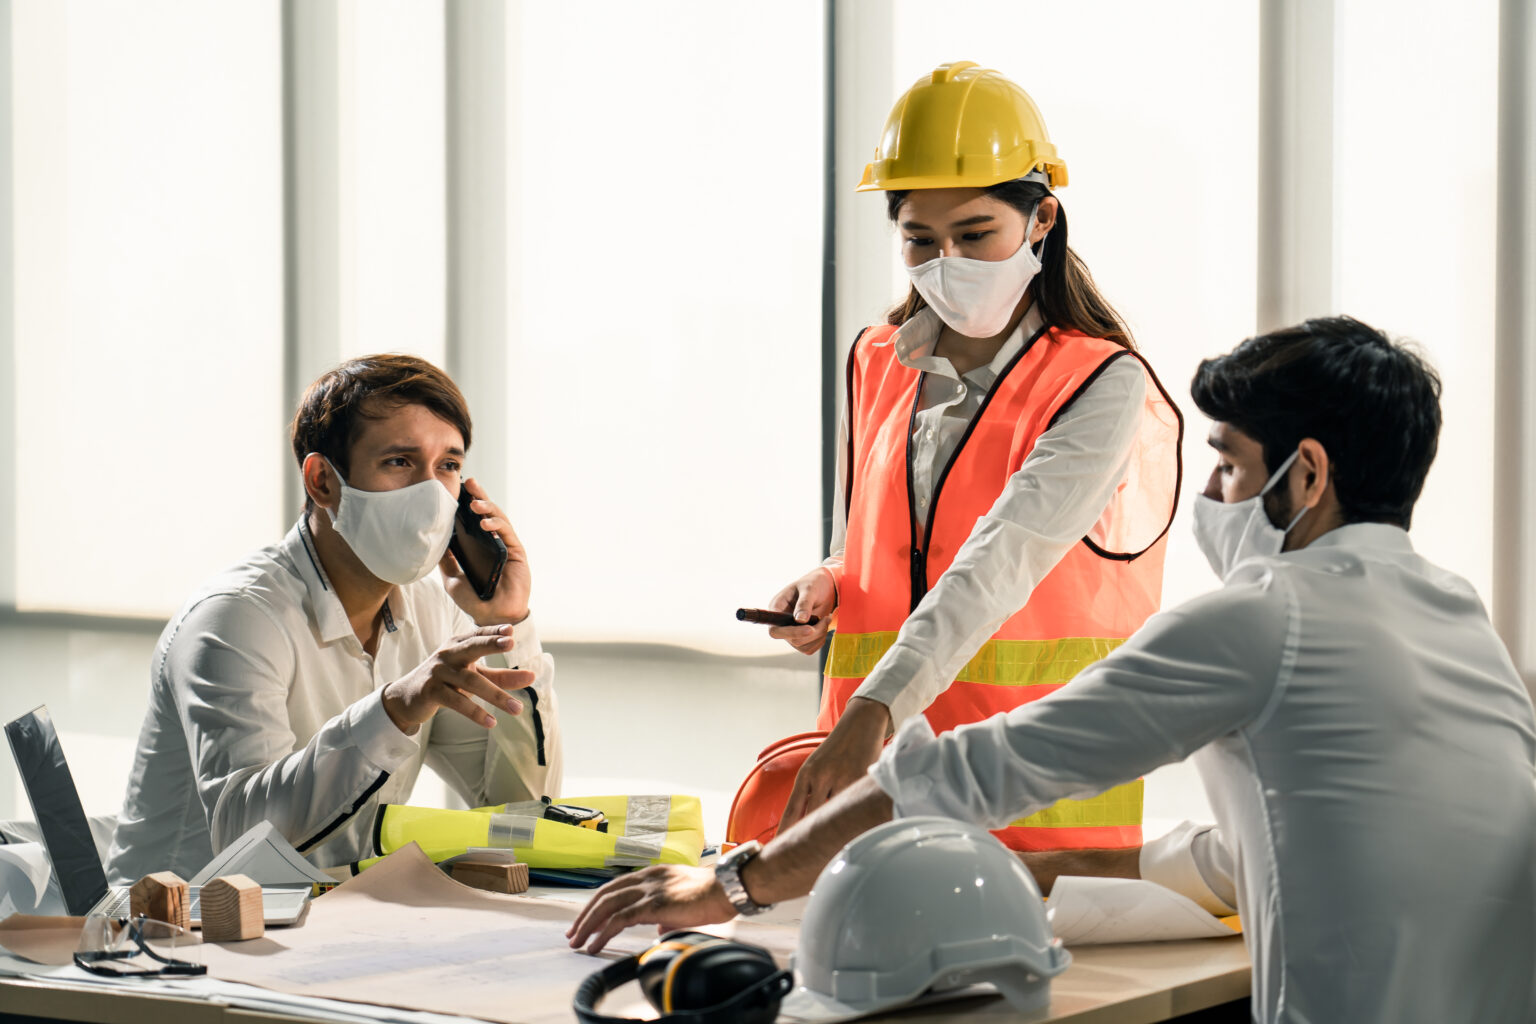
x=327, y=614
x=1383, y=536
x=915, y=341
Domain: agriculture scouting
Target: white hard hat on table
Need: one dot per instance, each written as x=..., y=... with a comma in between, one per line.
x=919, y=904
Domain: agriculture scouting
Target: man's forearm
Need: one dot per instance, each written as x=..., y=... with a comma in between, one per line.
x=789, y=865
x=1048, y=865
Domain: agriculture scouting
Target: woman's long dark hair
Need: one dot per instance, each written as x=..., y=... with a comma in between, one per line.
x=1064, y=289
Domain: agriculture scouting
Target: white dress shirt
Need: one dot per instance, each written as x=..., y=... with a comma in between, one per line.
x=264, y=705
x=1052, y=502
x=1369, y=751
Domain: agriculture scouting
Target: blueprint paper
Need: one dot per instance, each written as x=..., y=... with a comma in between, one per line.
x=1088, y=911
x=43, y=940
x=404, y=934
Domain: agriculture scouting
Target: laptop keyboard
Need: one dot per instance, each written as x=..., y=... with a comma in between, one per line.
x=116, y=904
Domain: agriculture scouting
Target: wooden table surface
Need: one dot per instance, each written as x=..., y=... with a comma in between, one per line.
x=1130, y=984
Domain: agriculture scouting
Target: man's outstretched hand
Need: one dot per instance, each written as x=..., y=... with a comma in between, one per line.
x=667, y=895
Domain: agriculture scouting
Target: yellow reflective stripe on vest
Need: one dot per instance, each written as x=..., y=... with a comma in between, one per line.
x=1118, y=807
x=998, y=663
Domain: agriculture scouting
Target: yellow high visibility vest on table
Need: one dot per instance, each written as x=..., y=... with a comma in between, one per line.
x=651, y=829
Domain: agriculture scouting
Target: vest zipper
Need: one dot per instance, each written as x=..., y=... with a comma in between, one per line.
x=918, y=565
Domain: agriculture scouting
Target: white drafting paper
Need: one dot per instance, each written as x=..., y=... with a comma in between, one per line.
x=1087, y=911
x=264, y=856
x=404, y=934
x=25, y=877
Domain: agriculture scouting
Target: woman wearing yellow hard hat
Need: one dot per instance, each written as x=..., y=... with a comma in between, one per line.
x=1009, y=465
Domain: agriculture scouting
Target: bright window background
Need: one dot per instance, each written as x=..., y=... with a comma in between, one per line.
x=148, y=263
x=1156, y=118
x=663, y=391
x=1416, y=104
x=399, y=232
x=665, y=397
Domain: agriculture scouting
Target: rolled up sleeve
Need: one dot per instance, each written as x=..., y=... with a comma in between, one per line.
x=1195, y=862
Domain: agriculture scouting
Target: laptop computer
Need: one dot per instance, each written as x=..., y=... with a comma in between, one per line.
x=67, y=835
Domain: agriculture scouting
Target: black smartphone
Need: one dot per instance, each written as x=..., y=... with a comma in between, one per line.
x=481, y=553
x=768, y=618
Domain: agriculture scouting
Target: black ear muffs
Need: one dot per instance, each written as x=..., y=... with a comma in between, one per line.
x=693, y=978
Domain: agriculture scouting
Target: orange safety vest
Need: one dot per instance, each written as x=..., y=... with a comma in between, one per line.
x=1095, y=597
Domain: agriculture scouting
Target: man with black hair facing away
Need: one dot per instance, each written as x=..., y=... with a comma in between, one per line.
x=1366, y=743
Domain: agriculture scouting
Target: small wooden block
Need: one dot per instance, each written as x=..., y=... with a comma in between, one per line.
x=491, y=876
x=231, y=909
x=162, y=896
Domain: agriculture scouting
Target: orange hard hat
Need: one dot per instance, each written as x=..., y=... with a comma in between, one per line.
x=760, y=801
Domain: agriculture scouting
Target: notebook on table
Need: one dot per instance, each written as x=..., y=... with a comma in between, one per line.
x=67, y=835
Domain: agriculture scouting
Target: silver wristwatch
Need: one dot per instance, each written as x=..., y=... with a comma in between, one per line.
x=728, y=874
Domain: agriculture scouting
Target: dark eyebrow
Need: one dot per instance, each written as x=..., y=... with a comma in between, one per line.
x=411, y=449
x=1218, y=444
x=980, y=218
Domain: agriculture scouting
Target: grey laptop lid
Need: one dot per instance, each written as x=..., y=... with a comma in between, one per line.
x=56, y=806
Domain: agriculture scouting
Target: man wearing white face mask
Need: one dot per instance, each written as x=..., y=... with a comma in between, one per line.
x=1367, y=745
x=310, y=683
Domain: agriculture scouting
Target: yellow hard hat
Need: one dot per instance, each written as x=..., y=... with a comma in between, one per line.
x=962, y=126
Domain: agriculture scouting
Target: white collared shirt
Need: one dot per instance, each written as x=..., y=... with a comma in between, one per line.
x=1052, y=502
x=264, y=705
x=1369, y=751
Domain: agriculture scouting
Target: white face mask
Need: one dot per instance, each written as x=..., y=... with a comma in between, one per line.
x=977, y=298
x=1228, y=533
x=398, y=535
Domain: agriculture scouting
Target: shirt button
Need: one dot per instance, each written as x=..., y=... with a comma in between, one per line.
x=922, y=502
x=930, y=435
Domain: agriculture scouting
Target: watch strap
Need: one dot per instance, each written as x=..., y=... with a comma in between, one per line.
x=728, y=874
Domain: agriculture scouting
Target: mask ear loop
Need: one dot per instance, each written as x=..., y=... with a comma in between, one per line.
x=1270, y=485
x=1029, y=229
x=1274, y=478
x=342, y=489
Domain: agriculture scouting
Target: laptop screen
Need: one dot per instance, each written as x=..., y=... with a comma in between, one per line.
x=56, y=805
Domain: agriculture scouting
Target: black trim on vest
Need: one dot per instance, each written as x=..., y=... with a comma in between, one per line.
x=356, y=806
x=538, y=724
x=848, y=413
x=917, y=566
x=1178, y=451
x=920, y=557
x=378, y=830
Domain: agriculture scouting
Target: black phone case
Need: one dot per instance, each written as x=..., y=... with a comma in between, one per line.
x=489, y=545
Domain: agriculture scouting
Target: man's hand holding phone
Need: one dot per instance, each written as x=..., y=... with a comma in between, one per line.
x=451, y=676
x=508, y=602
